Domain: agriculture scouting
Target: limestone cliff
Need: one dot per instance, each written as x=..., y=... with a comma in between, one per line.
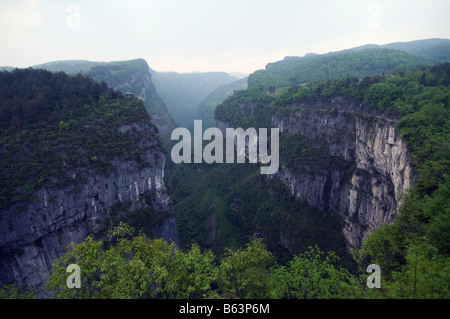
x=378, y=171
x=367, y=170
x=31, y=241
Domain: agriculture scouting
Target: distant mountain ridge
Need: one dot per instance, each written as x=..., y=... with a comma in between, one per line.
x=438, y=49
x=208, y=105
x=366, y=60
x=183, y=92
x=69, y=66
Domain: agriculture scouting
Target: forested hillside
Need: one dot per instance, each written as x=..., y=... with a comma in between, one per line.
x=207, y=107
x=222, y=206
x=417, y=241
x=126, y=76
x=334, y=65
x=436, y=49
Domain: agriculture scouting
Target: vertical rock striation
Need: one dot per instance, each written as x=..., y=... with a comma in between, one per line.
x=31, y=241
x=366, y=191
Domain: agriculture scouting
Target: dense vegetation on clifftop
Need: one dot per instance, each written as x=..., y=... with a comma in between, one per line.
x=126, y=76
x=57, y=128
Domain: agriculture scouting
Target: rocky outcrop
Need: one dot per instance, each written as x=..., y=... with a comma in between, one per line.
x=367, y=190
x=31, y=241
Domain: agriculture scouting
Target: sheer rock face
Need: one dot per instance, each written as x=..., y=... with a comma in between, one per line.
x=366, y=189
x=369, y=193
x=31, y=241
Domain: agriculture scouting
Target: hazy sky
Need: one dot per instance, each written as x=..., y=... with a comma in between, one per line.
x=207, y=35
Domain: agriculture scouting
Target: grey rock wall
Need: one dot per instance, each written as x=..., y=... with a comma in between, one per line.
x=31, y=241
x=370, y=193
x=366, y=190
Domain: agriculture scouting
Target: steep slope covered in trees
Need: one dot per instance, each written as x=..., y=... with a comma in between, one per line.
x=126, y=76
x=358, y=62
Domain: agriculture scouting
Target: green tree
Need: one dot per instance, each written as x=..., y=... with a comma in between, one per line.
x=120, y=266
x=316, y=275
x=191, y=274
x=424, y=276
x=13, y=291
x=87, y=255
x=135, y=268
x=63, y=125
x=245, y=273
x=438, y=212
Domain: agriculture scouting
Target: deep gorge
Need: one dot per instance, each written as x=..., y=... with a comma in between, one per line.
x=350, y=150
